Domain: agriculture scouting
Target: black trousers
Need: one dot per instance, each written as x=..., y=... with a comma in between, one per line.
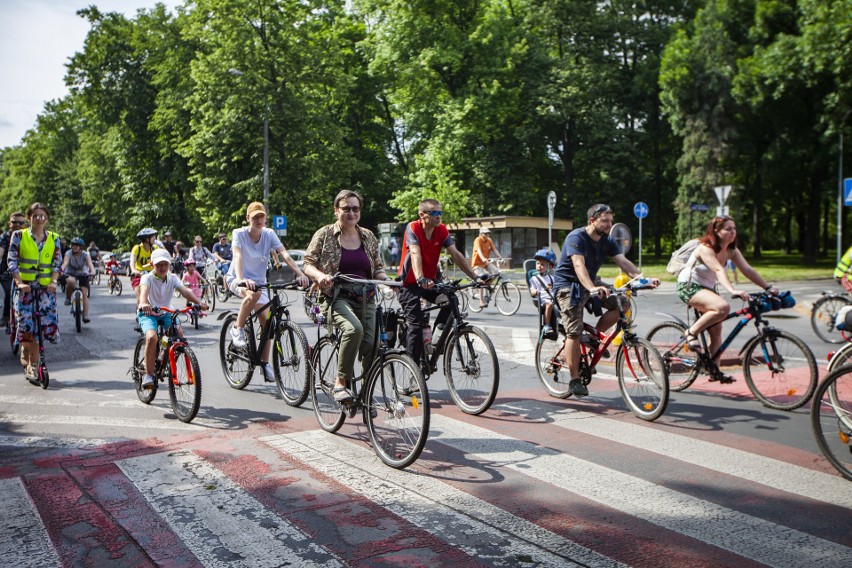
x=409, y=298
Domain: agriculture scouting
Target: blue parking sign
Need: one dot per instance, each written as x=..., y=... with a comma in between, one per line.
x=279, y=222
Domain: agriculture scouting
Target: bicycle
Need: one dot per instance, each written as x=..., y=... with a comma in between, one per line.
x=639, y=366
x=220, y=287
x=506, y=295
x=77, y=307
x=779, y=368
x=394, y=400
x=831, y=419
x=175, y=363
x=470, y=360
x=289, y=348
x=825, y=310
x=114, y=282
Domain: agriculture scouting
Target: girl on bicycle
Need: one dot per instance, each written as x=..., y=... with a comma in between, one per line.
x=35, y=257
x=696, y=283
x=347, y=248
x=193, y=278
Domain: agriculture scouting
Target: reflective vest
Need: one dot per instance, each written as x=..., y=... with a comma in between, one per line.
x=844, y=264
x=31, y=263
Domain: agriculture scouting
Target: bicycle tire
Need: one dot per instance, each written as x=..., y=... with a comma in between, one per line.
x=508, y=298
x=682, y=364
x=194, y=317
x=823, y=314
x=236, y=366
x=209, y=298
x=138, y=371
x=631, y=315
x=43, y=375
x=841, y=357
x=831, y=419
x=290, y=363
x=77, y=304
x=473, y=301
x=221, y=289
x=471, y=370
x=185, y=388
x=554, y=377
x=396, y=391
x=328, y=412
x=642, y=379
x=794, y=385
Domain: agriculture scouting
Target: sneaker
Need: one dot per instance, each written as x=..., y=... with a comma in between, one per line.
x=578, y=388
x=238, y=337
x=268, y=373
x=67, y=301
x=148, y=382
x=86, y=319
x=30, y=373
x=342, y=394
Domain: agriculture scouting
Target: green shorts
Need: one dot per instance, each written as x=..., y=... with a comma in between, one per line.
x=686, y=290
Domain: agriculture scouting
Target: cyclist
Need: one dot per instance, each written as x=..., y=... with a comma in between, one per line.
x=222, y=253
x=111, y=266
x=34, y=256
x=483, y=246
x=77, y=266
x=575, y=283
x=17, y=221
x=421, y=253
x=157, y=289
x=843, y=266
x=140, y=258
x=94, y=253
x=193, y=278
x=200, y=253
x=541, y=285
x=347, y=248
x=168, y=243
x=251, y=247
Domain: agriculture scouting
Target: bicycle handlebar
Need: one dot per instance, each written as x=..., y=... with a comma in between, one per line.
x=339, y=277
x=270, y=286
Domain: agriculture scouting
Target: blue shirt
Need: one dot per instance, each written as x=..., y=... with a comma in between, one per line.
x=578, y=242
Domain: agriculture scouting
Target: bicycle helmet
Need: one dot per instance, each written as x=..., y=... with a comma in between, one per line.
x=189, y=261
x=78, y=241
x=145, y=233
x=546, y=255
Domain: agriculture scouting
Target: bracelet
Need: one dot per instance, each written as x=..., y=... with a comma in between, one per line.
x=423, y=280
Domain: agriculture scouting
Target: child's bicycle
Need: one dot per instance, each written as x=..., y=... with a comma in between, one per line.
x=393, y=397
x=639, y=367
x=114, y=282
x=175, y=363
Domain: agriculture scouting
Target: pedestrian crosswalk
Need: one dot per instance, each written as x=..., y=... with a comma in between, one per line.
x=531, y=483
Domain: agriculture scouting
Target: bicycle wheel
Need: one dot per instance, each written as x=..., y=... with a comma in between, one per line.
x=185, y=386
x=473, y=301
x=822, y=317
x=508, y=298
x=841, y=357
x=397, y=393
x=290, y=362
x=780, y=370
x=77, y=306
x=681, y=364
x=831, y=419
x=631, y=314
x=221, y=289
x=552, y=372
x=324, y=362
x=138, y=371
x=472, y=371
x=194, y=317
x=210, y=298
x=642, y=378
x=236, y=364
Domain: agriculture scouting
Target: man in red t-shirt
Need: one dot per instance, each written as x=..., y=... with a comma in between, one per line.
x=421, y=250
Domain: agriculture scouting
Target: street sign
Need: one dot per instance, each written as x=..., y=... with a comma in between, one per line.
x=551, y=205
x=279, y=222
x=622, y=235
x=640, y=210
x=722, y=193
x=699, y=207
x=847, y=191
x=723, y=211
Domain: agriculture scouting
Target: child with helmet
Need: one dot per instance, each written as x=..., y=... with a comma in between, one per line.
x=541, y=285
x=192, y=277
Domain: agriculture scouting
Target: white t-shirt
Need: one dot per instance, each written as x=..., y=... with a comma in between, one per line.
x=160, y=293
x=255, y=256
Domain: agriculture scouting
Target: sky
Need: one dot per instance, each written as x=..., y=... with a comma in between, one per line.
x=37, y=39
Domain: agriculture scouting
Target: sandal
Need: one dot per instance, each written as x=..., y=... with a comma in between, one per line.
x=342, y=394
x=692, y=343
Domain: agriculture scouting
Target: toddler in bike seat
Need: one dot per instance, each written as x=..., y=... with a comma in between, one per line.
x=541, y=286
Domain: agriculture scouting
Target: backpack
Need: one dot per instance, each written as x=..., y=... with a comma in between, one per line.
x=680, y=256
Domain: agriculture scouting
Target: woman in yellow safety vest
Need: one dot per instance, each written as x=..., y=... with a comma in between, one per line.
x=34, y=261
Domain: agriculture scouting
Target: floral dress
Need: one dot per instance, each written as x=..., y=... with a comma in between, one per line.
x=25, y=302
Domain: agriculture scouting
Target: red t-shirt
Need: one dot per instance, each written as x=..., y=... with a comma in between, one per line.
x=430, y=250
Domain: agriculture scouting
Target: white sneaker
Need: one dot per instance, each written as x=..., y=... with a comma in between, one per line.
x=148, y=382
x=238, y=337
x=268, y=373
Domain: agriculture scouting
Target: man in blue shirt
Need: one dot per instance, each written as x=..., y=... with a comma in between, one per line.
x=575, y=282
x=222, y=253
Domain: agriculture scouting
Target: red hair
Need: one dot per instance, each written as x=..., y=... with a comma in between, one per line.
x=710, y=237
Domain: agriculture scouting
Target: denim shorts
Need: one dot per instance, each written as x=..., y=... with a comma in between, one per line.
x=149, y=323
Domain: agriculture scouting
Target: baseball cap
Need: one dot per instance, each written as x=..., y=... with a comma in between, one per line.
x=254, y=208
x=160, y=255
x=483, y=230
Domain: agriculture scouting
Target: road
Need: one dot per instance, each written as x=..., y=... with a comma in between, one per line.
x=89, y=476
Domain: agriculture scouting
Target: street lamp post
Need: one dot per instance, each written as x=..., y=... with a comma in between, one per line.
x=238, y=73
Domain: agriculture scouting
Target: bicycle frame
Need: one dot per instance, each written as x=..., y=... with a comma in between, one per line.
x=452, y=324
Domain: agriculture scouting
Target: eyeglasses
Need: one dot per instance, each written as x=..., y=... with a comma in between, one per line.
x=198, y=242
x=40, y=217
x=436, y=213
x=355, y=209
x=600, y=210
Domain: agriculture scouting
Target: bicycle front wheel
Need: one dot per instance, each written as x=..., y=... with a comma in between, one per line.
x=680, y=362
x=236, y=364
x=841, y=357
x=185, y=386
x=290, y=362
x=138, y=371
x=324, y=370
x=77, y=304
x=831, y=419
x=551, y=368
x=221, y=289
x=780, y=370
x=210, y=299
x=397, y=395
x=472, y=371
x=642, y=378
x=822, y=317
x=508, y=298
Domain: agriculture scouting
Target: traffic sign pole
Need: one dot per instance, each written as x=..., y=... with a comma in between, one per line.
x=641, y=211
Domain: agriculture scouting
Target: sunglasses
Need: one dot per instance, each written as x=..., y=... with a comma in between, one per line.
x=355, y=209
x=40, y=217
x=600, y=210
x=198, y=242
x=436, y=213
x=18, y=222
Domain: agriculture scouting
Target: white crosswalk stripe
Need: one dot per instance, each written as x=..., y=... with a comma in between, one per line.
x=23, y=540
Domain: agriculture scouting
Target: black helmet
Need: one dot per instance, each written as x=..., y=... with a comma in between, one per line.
x=145, y=233
x=78, y=241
